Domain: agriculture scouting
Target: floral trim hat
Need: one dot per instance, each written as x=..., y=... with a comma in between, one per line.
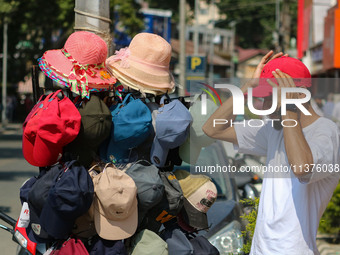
x=80, y=64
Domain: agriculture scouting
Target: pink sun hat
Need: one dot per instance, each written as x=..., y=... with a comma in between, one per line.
x=291, y=66
x=80, y=64
x=144, y=65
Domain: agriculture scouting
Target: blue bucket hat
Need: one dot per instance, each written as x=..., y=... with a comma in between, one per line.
x=172, y=128
x=131, y=126
x=70, y=197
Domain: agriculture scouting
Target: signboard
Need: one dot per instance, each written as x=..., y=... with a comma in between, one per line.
x=196, y=65
x=155, y=21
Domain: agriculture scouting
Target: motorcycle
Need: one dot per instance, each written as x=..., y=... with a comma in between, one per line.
x=19, y=235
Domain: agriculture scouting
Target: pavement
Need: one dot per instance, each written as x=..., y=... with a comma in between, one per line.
x=14, y=170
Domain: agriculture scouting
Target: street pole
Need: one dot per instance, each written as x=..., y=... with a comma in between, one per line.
x=196, y=38
x=94, y=16
x=211, y=49
x=182, y=52
x=4, y=75
x=277, y=25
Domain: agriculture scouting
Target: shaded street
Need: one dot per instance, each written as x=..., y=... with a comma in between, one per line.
x=14, y=170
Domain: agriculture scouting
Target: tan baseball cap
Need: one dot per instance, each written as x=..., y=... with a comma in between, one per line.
x=199, y=195
x=115, y=204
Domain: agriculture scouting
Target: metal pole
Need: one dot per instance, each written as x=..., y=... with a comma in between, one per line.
x=211, y=50
x=233, y=25
x=277, y=24
x=4, y=75
x=94, y=16
x=196, y=38
x=182, y=52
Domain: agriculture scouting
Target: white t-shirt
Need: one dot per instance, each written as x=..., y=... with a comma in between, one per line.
x=290, y=208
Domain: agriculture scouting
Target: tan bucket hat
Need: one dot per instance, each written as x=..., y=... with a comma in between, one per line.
x=144, y=65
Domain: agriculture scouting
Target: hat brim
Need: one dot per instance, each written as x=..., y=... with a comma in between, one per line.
x=34, y=238
x=145, y=74
x=40, y=154
x=35, y=219
x=59, y=64
x=45, y=152
x=143, y=86
x=194, y=217
x=262, y=91
x=158, y=154
x=55, y=225
x=27, y=151
x=116, y=230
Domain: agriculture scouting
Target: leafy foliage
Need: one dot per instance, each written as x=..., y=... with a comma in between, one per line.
x=250, y=218
x=255, y=21
x=330, y=220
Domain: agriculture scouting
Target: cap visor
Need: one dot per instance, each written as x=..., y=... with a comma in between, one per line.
x=27, y=150
x=34, y=238
x=158, y=154
x=116, y=230
x=262, y=91
x=193, y=217
x=55, y=225
x=35, y=219
x=46, y=153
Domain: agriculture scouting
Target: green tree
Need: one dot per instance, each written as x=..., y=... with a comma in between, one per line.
x=255, y=21
x=330, y=220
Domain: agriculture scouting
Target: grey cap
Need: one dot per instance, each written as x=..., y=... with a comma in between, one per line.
x=150, y=187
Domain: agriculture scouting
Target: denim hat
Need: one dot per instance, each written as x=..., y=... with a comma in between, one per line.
x=101, y=246
x=172, y=128
x=131, y=126
x=150, y=187
x=70, y=197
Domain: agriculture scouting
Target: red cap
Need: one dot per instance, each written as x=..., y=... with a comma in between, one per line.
x=54, y=124
x=291, y=66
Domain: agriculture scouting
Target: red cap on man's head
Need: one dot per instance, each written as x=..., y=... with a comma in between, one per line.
x=291, y=66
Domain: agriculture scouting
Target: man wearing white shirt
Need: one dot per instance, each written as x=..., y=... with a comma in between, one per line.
x=293, y=199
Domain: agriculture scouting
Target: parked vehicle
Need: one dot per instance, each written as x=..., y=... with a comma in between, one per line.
x=224, y=215
x=25, y=245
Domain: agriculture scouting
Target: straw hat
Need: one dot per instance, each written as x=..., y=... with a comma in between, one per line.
x=144, y=65
x=80, y=64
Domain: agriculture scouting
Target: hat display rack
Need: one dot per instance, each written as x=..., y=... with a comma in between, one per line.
x=108, y=128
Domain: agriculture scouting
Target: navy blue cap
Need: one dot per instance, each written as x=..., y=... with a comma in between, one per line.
x=101, y=246
x=37, y=197
x=69, y=198
x=25, y=188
